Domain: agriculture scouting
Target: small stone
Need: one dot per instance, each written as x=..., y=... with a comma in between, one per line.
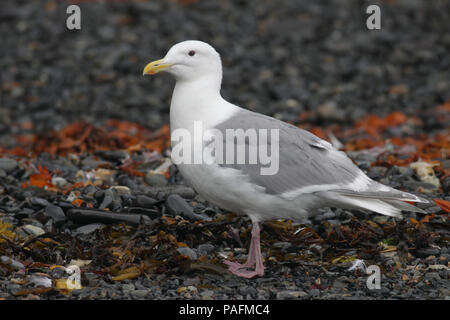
x=205, y=248
x=38, y=202
x=121, y=190
x=55, y=212
x=376, y=172
x=7, y=164
x=425, y=252
x=36, y=231
x=185, y=251
x=139, y=294
x=11, y=262
x=446, y=185
x=127, y=287
x=314, y=293
x=87, y=216
x=381, y=219
x=191, y=281
x=287, y=294
x=181, y=290
x=107, y=200
x=115, y=155
x=419, y=185
x=192, y=289
x=164, y=191
x=145, y=202
x=178, y=206
x=156, y=180
x=60, y=182
x=432, y=276
x=426, y=173
x=433, y=209
x=89, y=228
x=283, y=245
x=39, y=281
x=248, y=290
x=207, y=294
x=339, y=283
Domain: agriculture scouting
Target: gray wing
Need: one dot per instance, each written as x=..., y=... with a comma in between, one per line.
x=305, y=161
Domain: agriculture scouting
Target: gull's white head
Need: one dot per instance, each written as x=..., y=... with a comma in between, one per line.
x=189, y=60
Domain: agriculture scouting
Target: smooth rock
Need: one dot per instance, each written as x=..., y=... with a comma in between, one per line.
x=145, y=201
x=287, y=295
x=36, y=231
x=89, y=228
x=156, y=180
x=8, y=165
x=55, y=212
x=178, y=206
x=11, y=262
x=185, y=251
x=139, y=294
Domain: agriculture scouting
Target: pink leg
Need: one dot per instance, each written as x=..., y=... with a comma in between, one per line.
x=254, y=259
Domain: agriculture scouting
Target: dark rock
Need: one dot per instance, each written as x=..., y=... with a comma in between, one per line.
x=38, y=202
x=425, y=252
x=125, y=180
x=433, y=209
x=446, y=185
x=145, y=201
x=56, y=213
x=205, y=248
x=139, y=294
x=289, y=294
x=164, y=192
x=112, y=155
x=107, y=201
x=178, y=206
x=413, y=185
x=87, y=216
x=152, y=213
x=432, y=276
x=376, y=172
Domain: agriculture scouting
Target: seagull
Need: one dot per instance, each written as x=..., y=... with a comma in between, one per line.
x=310, y=173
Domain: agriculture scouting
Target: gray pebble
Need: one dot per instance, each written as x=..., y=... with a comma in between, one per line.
x=139, y=294
x=11, y=262
x=287, y=294
x=89, y=228
x=7, y=164
x=156, y=180
x=185, y=251
x=205, y=248
x=33, y=230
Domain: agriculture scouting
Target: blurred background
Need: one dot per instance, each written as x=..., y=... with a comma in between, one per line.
x=282, y=58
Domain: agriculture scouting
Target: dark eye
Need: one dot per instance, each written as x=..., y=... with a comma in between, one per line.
x=191, y=53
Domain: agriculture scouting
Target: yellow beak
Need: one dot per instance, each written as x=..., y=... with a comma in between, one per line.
x=155, y=67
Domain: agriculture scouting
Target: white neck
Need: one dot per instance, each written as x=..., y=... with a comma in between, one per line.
x=199, y=100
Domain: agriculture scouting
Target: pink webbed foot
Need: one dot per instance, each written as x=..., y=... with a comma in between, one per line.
x=235, y=265
x=254, y=259
x=241, y=271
